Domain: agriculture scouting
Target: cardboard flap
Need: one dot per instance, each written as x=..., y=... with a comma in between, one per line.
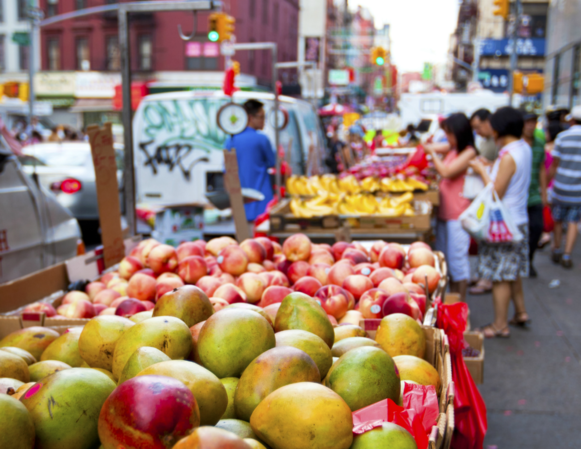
x=30, y=319
x=232, y=184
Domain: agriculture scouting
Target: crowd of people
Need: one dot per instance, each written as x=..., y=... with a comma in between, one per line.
x=536, y=171
x=35, y=132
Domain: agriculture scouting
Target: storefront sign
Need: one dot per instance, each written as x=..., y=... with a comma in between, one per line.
x=193, y=49
x=494, y=79
x=54, y=84
x=503, y=47
x=211, y=50
x=339, y=77
x=96, y=84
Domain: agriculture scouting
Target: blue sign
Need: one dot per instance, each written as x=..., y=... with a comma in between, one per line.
x=503, y=47
x=494, y=79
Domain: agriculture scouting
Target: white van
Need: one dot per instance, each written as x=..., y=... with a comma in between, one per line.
x=178, y=145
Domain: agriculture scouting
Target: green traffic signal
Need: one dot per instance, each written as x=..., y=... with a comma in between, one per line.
x=380, y=61
x=213, y=36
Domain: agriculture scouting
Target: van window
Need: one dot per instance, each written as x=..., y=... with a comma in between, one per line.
x=291, y=136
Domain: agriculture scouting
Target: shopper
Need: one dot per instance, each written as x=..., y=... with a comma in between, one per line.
x=505, y=264
x=452, y=239
x=334, y=157
x=538, y=187
x=486, y=145
x=255, y=156
x=566, y=197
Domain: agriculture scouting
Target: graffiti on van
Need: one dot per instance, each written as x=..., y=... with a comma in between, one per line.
x=179, y=133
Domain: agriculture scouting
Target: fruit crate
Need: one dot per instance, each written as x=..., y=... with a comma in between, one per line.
x=475, y=365
x=281, y=219
x=421, y=222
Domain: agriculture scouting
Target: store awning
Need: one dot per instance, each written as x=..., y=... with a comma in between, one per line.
x=93, y=105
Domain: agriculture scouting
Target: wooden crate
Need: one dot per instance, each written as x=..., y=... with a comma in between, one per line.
x=420, y=222
x=475, y=364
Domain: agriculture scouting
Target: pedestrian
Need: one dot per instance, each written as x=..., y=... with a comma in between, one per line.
x=409, y=137
x=378, y=141
x=255, y=156
x=335, y=155
x=451, y=238
x=485, y=144
x=538, y=186
x=506, y=263
x=566, y=197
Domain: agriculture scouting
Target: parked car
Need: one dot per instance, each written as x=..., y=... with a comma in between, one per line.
x=67, y=170
x=35, y=230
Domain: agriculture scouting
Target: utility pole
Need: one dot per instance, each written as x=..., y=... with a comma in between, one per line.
x=513, y=54
x=35, y=15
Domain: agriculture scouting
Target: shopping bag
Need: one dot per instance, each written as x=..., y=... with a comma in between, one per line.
x=548, y=222
x=475, y=219
x=473, y=185
x=501, y=228
x=469, y=407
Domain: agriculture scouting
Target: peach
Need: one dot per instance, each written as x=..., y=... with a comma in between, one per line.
x=255, y=268
x=209, y=285
x=136, y=252
x=192, y=269
x=407, y=279
x=297, y=247
x=93, y=288
x=278, y=258
x=218, y=303
x=268, y=246
x=118, y=301
x=339, y=272
x=214, y=270
x=80, y=309
x=277, y=248
x=297, y=270
x=346, y=261
x=216, y=245
x=401, y=303
x=421, y=301
x=355, y=255
x=379, y=275
x=269, y=265
x=414, y=288
x=360, y=247
x=115, y=281
x=120, y=288
x=272, y=310
x=162, y=258
x=129, y=266
x=357, y=284
x=376, y=250
x=162, y=277
x=421, y=256
x=148, y=305
x=142, y=287
x=278, y=278
x=333, y=320
x=232, y=260
x=146, y=247
x=416, y=245
x=334, y=299
x=392, y=286
x=226, y=278
x=106, y=297
x=148, y=272
x=129, y=307
x=252, y=285
x=41, y=307
x=99, y=308
x=266, y=277
x=107, y=277
x=273, y=295
x=399, y=275
x=201, y=244
x=321, y=256
x=340, y=247
x=320, y=272
x=391, y=257
x=283, y=264
x=108, y=311
x=364, y=268
x=167, y=285
x=230, y=293
x=254, y=251
x=419, y=277
x=188, y=249
x=74, y=296
x=351, y=317
x=61, y=310
x=371, y=303
x=307, y=285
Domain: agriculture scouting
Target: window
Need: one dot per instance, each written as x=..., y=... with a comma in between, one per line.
x=80, y=4
x=252, y=9
x=2, y=54
x=576, y=78
x=145, y=52
x=264, y=11
x=555, y=86
x=113, y=53
x=534, y=22
x=1, y=10
x=52, y=8
x=22, y=7
x=54, y=53
x=82, y=53
x=275, y=16
x=23, y=58
x=202, y=56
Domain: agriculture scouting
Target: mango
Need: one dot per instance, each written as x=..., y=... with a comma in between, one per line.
x=237, y=426
x=209, y=392
x=271, y=370
x=230, y=384
x=65, y=408
x=141, y=359
x=233, y=338
x=347, y=344
x=16, y=425
x=206, y=437
x=13, y=367
x=195, y=331
x=312, y=344
x=32, y=339
x=9, y=385
x=99, y=337
x=364, y=376
x=109, y=374
x=141, y=316
x=389, y=435
x=188, y=303
x=254, y=444
x=22, y=389
x=303, y=415
x=168, y=334
x=417, y=370
x=299, y=311
x=348, y=330
x=26, y=356
x=399, y=334
x=64, y=349
x=245, y=305
x=40, y=370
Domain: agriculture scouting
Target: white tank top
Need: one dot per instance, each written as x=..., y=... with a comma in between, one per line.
x=516, y=196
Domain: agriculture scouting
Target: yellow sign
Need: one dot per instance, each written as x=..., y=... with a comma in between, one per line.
x=350, y=119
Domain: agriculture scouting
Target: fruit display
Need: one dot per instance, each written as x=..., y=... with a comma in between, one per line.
x=246, y=353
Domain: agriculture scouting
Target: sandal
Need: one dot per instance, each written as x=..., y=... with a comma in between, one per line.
x=489, y=331
x=482, y=287
x=519, y=321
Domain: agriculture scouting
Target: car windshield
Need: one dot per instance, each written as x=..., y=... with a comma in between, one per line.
x=60, y=157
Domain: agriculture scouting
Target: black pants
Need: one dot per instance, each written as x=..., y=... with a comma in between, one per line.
x=535, y=228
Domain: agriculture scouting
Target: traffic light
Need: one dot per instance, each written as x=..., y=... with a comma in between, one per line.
x=378, y=56
x=11, y=89
x=517, y=82
x=236, y=67
x=503, y=8
x=23, y=91
x=535, y=83
x=220, y=27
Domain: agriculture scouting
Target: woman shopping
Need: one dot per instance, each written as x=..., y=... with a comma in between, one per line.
x=452, y=240
x=506, y=263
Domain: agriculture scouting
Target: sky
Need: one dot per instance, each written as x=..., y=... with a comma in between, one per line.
x=420, y=29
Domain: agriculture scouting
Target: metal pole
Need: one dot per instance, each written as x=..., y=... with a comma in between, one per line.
x=128, y=173
x=476, y=60
x=31, y=72
x=276, y=127
x=513, y=55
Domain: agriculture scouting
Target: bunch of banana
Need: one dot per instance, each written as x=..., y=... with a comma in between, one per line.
x=320, y=206
x=358, y=204
x=397, y=206
x=297, y=185
x=330, y=183
x=349, y=184
x=398, y=185
x=370, y=184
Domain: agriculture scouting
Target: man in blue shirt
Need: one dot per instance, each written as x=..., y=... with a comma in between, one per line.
x=255, y=156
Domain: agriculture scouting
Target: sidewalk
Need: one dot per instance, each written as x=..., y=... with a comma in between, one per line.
x=532, y=380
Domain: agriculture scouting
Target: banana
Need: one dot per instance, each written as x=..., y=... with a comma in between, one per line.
x=405, y=198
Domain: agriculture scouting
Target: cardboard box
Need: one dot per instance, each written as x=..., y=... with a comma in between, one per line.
x=422, y=221
x=475, y=364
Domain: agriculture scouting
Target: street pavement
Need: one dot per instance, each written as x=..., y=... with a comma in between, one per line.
x=532, y=380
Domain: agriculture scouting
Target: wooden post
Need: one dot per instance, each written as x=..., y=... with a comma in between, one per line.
x=101, y=140
x=232, y=184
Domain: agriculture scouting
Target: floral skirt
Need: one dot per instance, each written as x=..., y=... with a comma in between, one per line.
x=500, y=262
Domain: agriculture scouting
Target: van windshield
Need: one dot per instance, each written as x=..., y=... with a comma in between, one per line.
x=57, y=158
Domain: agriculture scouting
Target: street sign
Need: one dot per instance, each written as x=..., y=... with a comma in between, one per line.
x=339, y=77
x=21, y=38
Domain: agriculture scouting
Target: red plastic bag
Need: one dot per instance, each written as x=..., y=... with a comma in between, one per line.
x=417, y=160
x=469, y=408
x=263, y=217
x=548, y=222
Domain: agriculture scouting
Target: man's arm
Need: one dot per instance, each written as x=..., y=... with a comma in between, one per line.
x=268, y=154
